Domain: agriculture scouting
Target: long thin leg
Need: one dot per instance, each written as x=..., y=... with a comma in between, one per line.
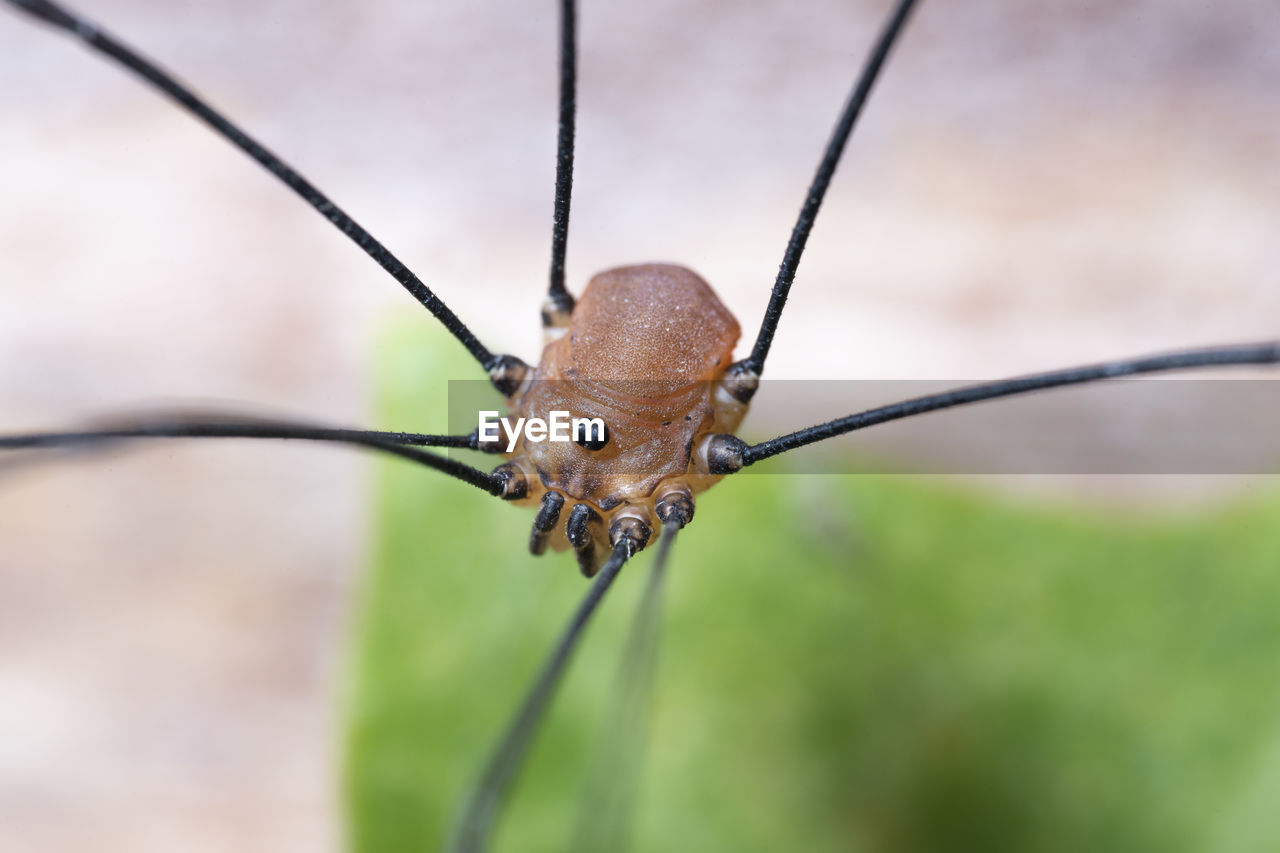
x=559, y=304
x=754, y=363
x=478, y=813
x=732, y=453
x=89, y=33
x=394, y=443
x=608, y=801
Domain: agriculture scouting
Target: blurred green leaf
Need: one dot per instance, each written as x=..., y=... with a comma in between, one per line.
x=848, y=663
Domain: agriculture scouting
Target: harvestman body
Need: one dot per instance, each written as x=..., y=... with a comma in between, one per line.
x=646, y=348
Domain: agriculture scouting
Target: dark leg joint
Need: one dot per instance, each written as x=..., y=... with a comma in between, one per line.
x=507, y=374
x=632, y=531
x=544, y=522
x=557, y=308
x=493, y=445
x=513, y=481
x=721, y=454
x=675, y=506
x=741, y=381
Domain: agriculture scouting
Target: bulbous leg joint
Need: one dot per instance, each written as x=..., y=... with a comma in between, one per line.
x=741, y=381
x=493, y=445
x=515, y=485
x=675, y=506
x=721, y=454
x=508, y=374
x=632, y=530
x=557, y=308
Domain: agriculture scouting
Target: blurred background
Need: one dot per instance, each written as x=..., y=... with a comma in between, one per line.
x=1034, y=185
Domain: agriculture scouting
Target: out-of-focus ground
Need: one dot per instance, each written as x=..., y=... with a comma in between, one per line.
x=1035, y=185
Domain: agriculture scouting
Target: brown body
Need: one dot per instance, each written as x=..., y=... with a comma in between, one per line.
x=646, y=349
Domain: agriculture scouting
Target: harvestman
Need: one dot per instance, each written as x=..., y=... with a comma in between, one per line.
x=647, y=348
